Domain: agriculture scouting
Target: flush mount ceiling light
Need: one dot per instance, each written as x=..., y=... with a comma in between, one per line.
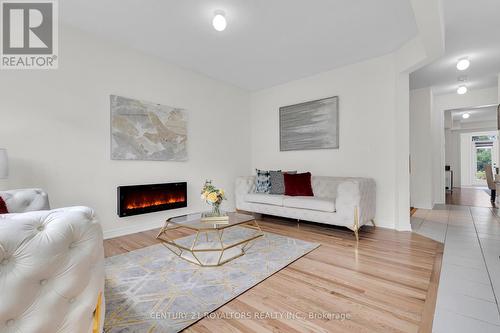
x=466, y=115
x=461, y=90
x=463, y=64
x=219, y=21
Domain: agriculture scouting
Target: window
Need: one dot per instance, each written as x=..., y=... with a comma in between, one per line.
x=482, y=154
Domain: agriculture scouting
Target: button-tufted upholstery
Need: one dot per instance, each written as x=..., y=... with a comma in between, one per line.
x=25, y=200
x=336, y=201
x=51, y=267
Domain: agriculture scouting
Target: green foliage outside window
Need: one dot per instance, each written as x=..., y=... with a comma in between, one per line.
x=483, y=159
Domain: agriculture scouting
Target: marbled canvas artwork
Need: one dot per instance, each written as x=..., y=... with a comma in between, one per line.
x=142, y=130
x=310, y=125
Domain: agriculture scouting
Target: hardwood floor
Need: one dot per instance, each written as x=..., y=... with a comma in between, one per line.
x=467, y=196
x=385, y=283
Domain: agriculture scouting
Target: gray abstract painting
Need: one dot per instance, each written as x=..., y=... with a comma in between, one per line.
x=143, y=130
x=310, y=125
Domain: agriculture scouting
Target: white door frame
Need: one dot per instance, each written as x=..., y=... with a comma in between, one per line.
x=468, y=159
x=475, y=181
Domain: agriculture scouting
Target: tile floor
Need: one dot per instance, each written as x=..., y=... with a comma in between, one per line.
x=469, y=287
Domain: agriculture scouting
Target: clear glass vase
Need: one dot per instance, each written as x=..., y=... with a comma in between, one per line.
x=216, y=210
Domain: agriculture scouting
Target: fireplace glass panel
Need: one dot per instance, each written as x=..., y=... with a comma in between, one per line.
x=142, y=199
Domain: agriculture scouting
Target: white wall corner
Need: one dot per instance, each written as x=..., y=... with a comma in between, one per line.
x=424, y=48
x=420, y=143
x=438, y=154
x=402, y=152
x=430, y=22
x=429, y=43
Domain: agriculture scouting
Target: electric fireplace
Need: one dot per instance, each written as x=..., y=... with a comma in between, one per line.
x=142, y=199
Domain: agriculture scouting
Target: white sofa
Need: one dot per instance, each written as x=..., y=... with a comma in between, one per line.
x=347, y=202
x=51, y=267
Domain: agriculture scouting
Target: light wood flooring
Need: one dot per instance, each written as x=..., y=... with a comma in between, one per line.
x=385, y=283
x=469, y=196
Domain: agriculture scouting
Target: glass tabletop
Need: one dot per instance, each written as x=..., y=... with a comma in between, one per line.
x=193, y=221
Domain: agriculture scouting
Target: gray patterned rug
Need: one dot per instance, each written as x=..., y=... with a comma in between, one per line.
x=153, y=290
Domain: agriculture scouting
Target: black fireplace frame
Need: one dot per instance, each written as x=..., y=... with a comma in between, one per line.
x=122, y=191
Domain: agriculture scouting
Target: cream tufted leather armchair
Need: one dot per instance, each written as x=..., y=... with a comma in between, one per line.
x=51, y=267
x=25, y=200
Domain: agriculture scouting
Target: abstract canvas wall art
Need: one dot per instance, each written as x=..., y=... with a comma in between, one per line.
x=143, y=130
x=310, y=125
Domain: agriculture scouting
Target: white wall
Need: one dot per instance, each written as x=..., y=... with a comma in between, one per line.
x=402, y=149
x=437, y=149
x=479, y=125
x=55, y=125
x=452, y=154
x=471, y=99
x=421, y=156
x=367, y=98
x=465, y=159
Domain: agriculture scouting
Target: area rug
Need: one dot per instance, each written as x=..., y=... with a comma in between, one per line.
x=153, y=290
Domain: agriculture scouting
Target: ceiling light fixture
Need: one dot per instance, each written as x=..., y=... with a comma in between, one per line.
x=466, y=115
x=462, y=89
x=463, y=64
x=219, y=21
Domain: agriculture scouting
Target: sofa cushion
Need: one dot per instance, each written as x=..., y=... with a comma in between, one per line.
x=312, y=203
x=269, y=199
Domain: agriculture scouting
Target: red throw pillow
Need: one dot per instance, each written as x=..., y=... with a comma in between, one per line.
x=3, y=207
x=298, y=184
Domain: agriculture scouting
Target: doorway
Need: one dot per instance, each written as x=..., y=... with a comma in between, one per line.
x=471, y=143
x=478, y=149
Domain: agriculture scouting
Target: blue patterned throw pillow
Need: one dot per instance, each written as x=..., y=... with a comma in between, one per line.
x=262, y=181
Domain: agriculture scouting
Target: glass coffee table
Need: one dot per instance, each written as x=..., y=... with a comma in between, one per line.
x=211, y=244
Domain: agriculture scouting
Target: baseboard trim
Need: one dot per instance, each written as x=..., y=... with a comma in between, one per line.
x=127, y=230
x=132, y=229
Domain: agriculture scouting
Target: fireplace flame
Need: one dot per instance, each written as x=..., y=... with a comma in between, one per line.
x=144, y=202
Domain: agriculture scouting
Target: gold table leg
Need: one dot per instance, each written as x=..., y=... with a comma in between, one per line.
x=170, y=243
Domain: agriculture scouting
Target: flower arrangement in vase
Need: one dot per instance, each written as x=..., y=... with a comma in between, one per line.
x=213, y=196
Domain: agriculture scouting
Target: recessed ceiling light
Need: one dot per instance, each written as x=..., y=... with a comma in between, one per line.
x=463, y=64
x=462, y=90
x=219, y=22
x=466, y=115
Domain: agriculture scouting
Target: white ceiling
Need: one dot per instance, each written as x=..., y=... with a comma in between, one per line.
x=487, y=114
x=472, y=30
x=267, y=42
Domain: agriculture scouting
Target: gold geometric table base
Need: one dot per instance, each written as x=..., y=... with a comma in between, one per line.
x=218, y=253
